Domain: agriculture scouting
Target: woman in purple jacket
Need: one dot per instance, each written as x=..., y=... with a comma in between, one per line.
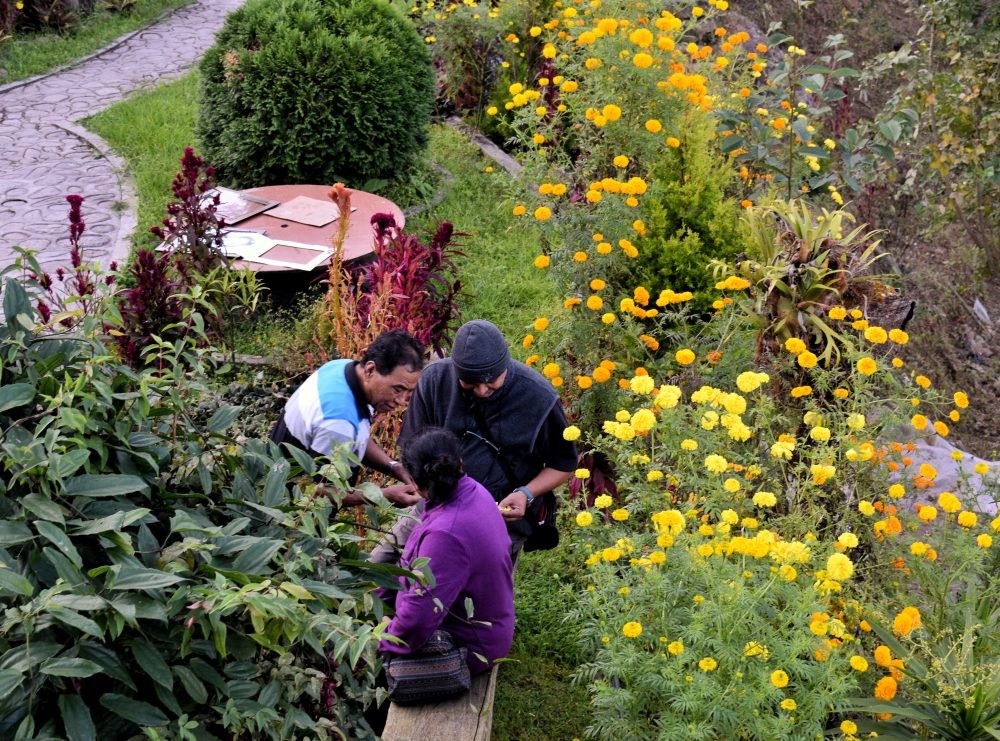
x=464, y=536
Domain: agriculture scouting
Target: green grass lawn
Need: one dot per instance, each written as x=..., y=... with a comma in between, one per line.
x=27, y=55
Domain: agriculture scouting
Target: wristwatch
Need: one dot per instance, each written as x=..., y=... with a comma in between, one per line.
x=527, y=492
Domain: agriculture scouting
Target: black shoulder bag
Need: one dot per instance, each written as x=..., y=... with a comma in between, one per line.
x=541, y=514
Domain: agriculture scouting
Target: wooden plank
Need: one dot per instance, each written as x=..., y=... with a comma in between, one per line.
x=465, y=718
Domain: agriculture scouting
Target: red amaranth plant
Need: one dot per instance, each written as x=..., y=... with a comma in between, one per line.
x=192, y=225
x=420, y=279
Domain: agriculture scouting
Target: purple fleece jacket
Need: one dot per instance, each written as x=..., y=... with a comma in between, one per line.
x=469, y=551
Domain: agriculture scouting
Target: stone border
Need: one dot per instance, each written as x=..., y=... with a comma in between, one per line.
x=94, y=54
x=487, y=147
x=129, y=219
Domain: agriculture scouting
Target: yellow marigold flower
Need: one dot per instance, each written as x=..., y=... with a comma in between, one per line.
x=764, y=499
x=603, y=501
x=620, y=515
x=491, y=111
x=820, y=434
x=601, y=375
x=584, y=519
x=572, y=301
x=531, y=360
x=621, y=161
x=821, y=474
x=839, y=567
x=899, y=336
x=923, y=382
x=643, y=420
x=906, y=621
x=685, y=356
x=883, y=656
x=632, y=629
x=528, y=340
x=788, y=704
x=876, y=335
x=642, y=60
x=732, y=486
x=981, y=468
x=867, y=366
x=897, y=363
x=642, y=384
x=539, y=138
x=542, y=261
x=641, y=37
x=611, y=112
x=949, y=502
x=984, y=541
x=841, y=393
x=926, y=513
x=848, y=728
x=673, y=141
x=611, y=554
x=675, y=648
x=896, y=491
x=541, y=324
x=543, y=213
x=549, y=51
x=595, y=303
x=967, y=519
x=885, y=689
x=848, y=540
x=580, y=256
x=749, y=381
x=961, y=400
x=608, y=318
x=800, y=391
x=716, y=463
x=779, y=678
x=866, y=508
x=795, y=346
x=941, y=428
x=859, y=664
x=551, y=370
x=837, y=312
x=733, y=283
x=653, y=126
x=571, y=433
x=708, y=664
x=519, y=210
x=918, y=421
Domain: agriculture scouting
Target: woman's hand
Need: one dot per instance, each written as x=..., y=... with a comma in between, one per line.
x=402, y=495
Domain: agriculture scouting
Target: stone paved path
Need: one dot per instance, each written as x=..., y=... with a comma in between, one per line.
x=45, y=154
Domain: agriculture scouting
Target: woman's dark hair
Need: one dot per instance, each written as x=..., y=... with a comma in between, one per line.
x=434, y=459
x=392, y=349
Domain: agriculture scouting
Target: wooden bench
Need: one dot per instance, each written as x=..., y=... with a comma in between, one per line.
x=465, y=718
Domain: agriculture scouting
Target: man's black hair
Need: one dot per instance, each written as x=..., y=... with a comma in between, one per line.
x=392, y=349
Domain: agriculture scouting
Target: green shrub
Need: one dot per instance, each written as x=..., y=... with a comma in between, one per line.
x=689, y=218
x=315, y=91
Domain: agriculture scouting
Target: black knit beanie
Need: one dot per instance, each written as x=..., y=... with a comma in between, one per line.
x=480, y=352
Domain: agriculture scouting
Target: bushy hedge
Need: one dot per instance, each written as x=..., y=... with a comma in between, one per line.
x=315, y=91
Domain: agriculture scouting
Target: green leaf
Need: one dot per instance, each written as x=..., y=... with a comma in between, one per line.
x=10, y=680
x=891, y=130
x=152, y=663
x=256, y=558
x=44, y=508
x=105, y=485
x=140, y=713
x=14, y=533
x=77, y=723
x=71, y=668
x=57, y=536
x=78, y=621
x=192, y=685
x=13, y=582
x=275, y=492
x=15, y=301
x=223, y=417
x=135, y=577
x=67, y=464
x=16, y=395
x=66, y=569
x=23, y=658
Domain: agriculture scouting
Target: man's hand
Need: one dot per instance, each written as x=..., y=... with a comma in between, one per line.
x=513, y=506
x=402, y=495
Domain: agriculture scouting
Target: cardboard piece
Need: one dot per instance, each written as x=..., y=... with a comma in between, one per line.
x=235, y=206
x=297, y=255
x=306, y=210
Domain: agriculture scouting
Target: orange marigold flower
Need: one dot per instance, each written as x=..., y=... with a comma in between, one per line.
x=885, y=689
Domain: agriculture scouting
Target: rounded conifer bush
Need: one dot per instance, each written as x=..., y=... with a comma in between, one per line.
x=314, y=91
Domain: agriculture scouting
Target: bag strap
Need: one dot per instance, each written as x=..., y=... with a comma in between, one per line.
x=484, y=428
